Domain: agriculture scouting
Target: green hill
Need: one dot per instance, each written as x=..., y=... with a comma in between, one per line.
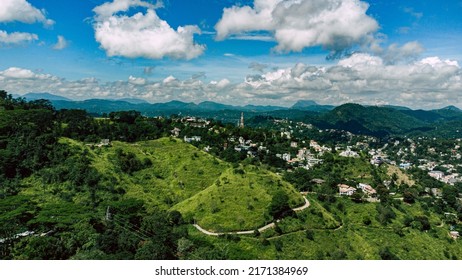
x=347, y=230
x=376, y=121
x=238, y=200
x=180, y=177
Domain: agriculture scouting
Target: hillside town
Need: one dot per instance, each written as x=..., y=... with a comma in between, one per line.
x=298, y=145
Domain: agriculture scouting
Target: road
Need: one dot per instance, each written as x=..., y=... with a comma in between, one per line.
x=268, y=226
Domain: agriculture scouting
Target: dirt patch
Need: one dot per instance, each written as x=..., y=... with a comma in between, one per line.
x=403, y=178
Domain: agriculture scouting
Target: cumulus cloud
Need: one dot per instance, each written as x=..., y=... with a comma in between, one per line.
x=20, y=73
x=431, y=82
x=22, y=11
x=364, y=78
x=142, y=34
x=296, y=24
x=16, y=37
x=107, y=9
x=61, y=44
x=220, y=84
x=136, y=81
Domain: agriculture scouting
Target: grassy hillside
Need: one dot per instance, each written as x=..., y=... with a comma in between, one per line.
x=178, y=171
x=238, y=200
x=178, y=177
x=344, y=230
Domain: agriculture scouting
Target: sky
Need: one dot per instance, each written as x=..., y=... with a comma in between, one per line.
x=266, y=52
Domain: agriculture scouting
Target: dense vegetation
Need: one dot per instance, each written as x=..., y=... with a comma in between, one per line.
x=67, y=193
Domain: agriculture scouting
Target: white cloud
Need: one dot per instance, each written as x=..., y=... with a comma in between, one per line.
x=297, y=24
x=107, y=9
x=16, y=37
x=20, y=73
x=22, y=11
x=142, y=34
x=220, y=84
x=169, y=80
x=61, y=44
x=136, y=81
x=428, y=83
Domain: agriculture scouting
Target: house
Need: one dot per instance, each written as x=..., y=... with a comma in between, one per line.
x=318, y=181
x=104, y=142
x=454, y=234
x=346, y=190
x=405, y=165
x=438, y=175
x=436, y=192
x=293, y=144
x=175, y=132
x=377, y=160
x=367, y=189
x=192, y=139
x=349, y=153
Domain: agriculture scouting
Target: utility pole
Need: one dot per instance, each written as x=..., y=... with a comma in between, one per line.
x=108, y=214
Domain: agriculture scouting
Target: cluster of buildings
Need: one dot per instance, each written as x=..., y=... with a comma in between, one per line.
x=349, y=191
x=450, y=179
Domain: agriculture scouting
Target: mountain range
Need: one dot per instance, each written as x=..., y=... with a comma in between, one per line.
x=380, y=121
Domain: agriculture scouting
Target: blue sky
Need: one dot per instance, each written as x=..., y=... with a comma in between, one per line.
x=251, y=51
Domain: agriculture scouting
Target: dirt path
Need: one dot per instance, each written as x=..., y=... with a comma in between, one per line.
x=268, y=226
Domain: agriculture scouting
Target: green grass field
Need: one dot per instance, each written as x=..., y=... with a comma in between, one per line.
x=236, y=201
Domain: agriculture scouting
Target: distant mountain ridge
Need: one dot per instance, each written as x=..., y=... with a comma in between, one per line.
x=388, y=121
x=452, y=108
x=44, y=95
x=310, y=105
x=133, y=100
x=380, y=121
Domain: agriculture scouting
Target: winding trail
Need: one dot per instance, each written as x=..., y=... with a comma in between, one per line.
x=268, y=226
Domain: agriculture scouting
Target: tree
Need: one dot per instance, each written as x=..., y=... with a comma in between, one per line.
x=386, y=254
x=385, y=214
x=309, y=234
x=410, y=195
x=300, y=178
x=3, y=95
x=279, y=205
x=450, y=195
x=163, y=241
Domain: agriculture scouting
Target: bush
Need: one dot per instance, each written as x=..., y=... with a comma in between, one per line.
x=386, y=254
x=367, y=221
x=309, y=234
x=278, y=245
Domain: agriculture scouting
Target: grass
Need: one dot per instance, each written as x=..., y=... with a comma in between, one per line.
x=217, y=195
x=236, y=201
x=353, y=240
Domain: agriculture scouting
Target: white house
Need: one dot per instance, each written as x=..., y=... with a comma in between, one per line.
x=346, y=190
x=367, y=189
